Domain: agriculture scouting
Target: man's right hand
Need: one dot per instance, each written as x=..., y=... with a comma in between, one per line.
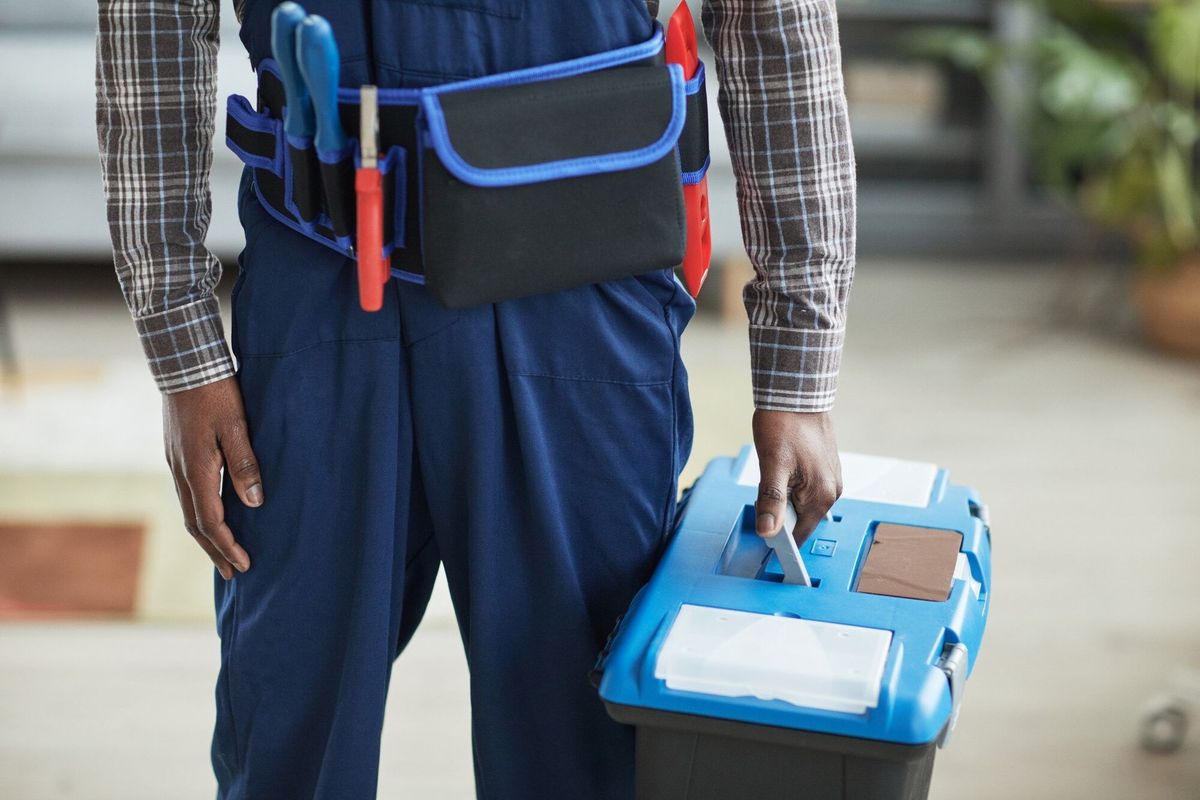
x=204, y=429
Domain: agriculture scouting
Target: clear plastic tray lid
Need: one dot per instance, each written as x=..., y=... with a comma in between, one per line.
x=820, y=665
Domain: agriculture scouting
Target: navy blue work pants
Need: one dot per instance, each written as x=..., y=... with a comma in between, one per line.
x=531, y=448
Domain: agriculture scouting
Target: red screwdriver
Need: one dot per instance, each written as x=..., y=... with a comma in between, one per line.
x=373, y=268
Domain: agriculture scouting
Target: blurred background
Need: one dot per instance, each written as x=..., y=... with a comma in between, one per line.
x=1026, y=314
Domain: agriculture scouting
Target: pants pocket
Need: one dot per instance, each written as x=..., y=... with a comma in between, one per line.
x=613, y=332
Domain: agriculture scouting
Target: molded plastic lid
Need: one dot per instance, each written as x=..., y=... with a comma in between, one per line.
x=729, y=653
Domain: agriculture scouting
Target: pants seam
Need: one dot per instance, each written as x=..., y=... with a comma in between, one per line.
x=673, y=482
x=234, y=626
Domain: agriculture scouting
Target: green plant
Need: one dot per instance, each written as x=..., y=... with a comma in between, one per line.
x=1111, y=112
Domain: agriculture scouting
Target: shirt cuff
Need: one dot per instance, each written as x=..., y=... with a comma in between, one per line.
x=794, y=369
x=186, y=345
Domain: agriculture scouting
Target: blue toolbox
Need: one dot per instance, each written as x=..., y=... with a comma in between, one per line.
x=748, y=675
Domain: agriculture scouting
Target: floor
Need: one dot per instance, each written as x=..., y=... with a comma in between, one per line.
x=1083, y=444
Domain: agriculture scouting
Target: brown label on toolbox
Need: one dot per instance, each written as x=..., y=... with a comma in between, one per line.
x=906, y=561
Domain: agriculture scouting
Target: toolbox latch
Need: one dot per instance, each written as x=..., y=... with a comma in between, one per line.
x=954, y=664
x=980, y=512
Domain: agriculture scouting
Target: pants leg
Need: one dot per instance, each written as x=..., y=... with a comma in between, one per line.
x=342, y=549
x=551, y=431
x=533, y=446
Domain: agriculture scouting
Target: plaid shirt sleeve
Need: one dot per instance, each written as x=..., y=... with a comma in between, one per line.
x=156, y=94
x=781, y=99
x=784, y=107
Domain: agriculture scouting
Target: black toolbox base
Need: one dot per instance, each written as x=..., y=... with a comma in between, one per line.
x=686, y=757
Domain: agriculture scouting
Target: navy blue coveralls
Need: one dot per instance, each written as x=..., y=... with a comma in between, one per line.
x=530, y=447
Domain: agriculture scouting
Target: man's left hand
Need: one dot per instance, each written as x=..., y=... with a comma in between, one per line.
x=798, y=458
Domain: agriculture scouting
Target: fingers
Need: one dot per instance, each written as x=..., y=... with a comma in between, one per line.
x=189, y=523
x=219, y=561
x=205, y=485
x=812, y=498
x=812, y=492
x=241, y=464
x=772, y=494
x=204, y=428
x=798, y=459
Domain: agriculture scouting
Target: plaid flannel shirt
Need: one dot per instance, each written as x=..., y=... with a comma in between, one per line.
x=781, y=99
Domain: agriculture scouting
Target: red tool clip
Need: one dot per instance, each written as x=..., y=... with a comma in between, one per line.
x=373, y=269
x=681, y=49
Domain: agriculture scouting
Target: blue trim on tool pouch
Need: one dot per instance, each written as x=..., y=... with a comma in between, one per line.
x=696, y=81
x=410, y=277
x=239, y=108
x=294, y=225
x=694, y=177
x=554, y=170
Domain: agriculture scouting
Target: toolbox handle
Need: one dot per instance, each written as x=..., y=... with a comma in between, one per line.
x=787, y=551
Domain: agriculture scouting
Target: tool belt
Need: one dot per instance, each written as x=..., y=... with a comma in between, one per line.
x=503, y=186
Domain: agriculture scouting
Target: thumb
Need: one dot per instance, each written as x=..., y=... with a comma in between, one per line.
x=241, y=464
x=772, y=496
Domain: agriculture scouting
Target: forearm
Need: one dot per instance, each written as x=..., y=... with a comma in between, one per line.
x=155, y=109
x=783, y=104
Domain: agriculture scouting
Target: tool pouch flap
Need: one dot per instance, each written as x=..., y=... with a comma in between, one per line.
x=553, y=184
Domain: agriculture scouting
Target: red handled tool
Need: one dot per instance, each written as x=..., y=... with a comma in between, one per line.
x=373, y=268
x=681, y=49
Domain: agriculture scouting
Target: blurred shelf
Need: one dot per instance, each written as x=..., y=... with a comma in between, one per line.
x=941, y=167
x=961, y=219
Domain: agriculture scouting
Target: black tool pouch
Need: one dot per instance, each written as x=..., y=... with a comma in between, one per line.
x=549, y=185
x=513, y=184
